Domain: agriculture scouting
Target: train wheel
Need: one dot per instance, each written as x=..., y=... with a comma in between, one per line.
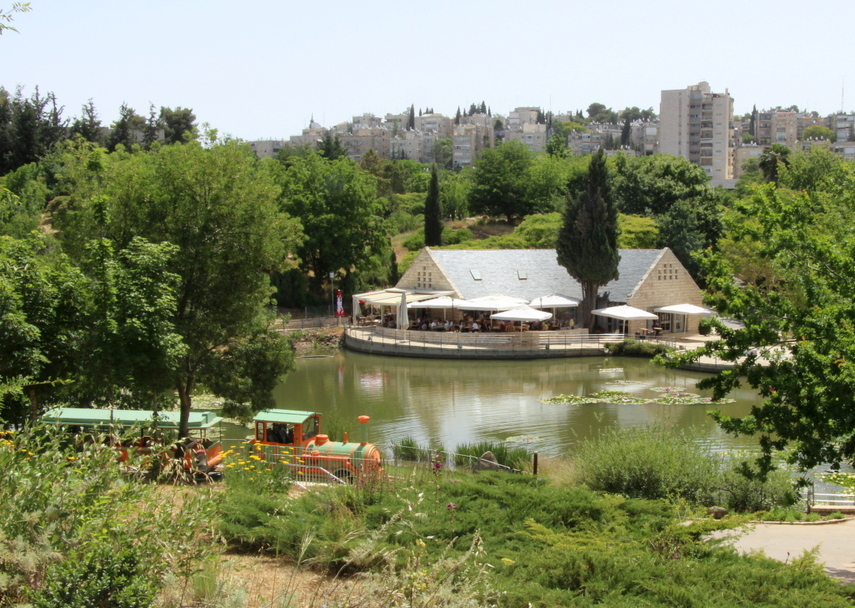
x=345, y=475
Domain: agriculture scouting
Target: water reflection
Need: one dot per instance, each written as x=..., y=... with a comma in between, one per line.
x=455, y=402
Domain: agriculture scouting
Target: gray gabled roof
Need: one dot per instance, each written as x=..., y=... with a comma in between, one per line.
x=501, y=272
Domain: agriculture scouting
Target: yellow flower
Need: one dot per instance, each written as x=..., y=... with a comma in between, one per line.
x=72, y=458
x=508, y=561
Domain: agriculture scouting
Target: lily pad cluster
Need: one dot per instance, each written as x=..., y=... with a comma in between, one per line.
x=669, y=396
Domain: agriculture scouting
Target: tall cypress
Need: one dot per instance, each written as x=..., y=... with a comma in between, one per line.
x=587, y=241
x=433, y=212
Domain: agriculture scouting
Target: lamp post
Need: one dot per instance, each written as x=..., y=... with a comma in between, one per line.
x=332, y=293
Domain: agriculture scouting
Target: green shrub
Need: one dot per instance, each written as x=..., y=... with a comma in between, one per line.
x=416, y=241
x=637, y=348
x=513, y=457
x=457, y=236
x=741, y=493
x=103, y=576
x=408, y=449
x=648, y=462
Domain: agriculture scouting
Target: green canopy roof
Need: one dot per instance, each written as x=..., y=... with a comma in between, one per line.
x=283, y=416
x=81, y=416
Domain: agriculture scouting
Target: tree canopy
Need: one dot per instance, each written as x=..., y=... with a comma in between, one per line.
x=794, y=252
x=587, y=243
x=219, y=207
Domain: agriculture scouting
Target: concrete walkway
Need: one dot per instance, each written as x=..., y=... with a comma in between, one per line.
x=783, y=542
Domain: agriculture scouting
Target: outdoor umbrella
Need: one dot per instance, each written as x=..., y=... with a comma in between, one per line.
x=555, y=300
x=523, y=313
x=493, y=303
x=686, y=309
x=624, y=313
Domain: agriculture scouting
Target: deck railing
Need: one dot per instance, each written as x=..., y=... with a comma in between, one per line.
x=382, y=340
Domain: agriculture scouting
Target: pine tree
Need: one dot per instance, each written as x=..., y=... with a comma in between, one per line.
x=433, y=212
x=587, y=241
x=411, y=122
x=457, y=117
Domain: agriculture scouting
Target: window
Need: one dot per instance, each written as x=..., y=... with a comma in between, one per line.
x=522, y=275
x=475, y=274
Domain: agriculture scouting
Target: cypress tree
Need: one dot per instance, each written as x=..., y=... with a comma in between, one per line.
x=433, y=212
x=587, y=241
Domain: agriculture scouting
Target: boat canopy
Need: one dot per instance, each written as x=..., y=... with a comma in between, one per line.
x=89, y=417
x=283, y=416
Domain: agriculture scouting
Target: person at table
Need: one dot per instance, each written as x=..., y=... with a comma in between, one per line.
x=475, y=326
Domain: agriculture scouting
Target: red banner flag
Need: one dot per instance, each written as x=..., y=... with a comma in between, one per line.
x=339, y=307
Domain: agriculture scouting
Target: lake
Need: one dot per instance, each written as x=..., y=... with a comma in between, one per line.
x=454, y=402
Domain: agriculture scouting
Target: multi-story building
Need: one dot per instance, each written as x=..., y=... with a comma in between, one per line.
x=310, y=136
x=695, y=123
x=407, y=144
x=645, y=137
x=267, y=148
x=533, y=135
x=520, y=117
x=744, y=153
x=842, y=125
x=468, y=141
x=777, y=127
x=434, y=123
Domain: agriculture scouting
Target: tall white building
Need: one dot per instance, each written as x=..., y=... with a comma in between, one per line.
x=695, y=123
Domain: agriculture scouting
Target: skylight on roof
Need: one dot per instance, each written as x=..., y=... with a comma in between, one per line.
x=522, y=275
x=475, y=274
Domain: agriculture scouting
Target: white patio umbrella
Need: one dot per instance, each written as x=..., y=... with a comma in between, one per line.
x=402, y=321
x=556, y=300
x=686, y=309
x=497, y=303
x=523, y=313
x=624, y=313
x=441, y=303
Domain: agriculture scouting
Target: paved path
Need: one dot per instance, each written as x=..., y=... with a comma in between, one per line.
x=836, y=544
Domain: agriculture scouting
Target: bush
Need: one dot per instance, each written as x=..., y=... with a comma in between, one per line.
x=104, y=576
x=457, y=236
x=416, y=241
x=513, y=457
x=637, y=348
x=739, y=492
x=648, y=462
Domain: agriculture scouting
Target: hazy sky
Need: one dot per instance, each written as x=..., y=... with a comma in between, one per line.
x=260, y=69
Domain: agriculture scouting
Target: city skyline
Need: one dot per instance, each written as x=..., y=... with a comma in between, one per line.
x=262, y=70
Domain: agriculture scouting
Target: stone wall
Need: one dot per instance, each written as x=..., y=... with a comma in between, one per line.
x=665, y=284
x=425, y=274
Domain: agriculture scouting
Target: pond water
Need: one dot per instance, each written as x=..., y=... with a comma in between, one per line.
x=454, y=402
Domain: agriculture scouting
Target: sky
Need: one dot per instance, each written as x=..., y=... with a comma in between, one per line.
x=261, y=69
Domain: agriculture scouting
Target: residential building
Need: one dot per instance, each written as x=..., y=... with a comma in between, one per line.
x=533, y=135
x=468, y=141
x=407, y=144
x=645, y=137
x=520, y=117
x=842, y=125
x=695, y=123
x=742, y=154
x=267, y=148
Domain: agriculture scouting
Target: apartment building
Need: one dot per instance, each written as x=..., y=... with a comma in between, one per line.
x=644, y=137
x=408, y=144
x=533, y=135
x=468, y=141
x=842, y=125
x=744, y=153
x=267, y=148
x=695, y=123
x=777, y=127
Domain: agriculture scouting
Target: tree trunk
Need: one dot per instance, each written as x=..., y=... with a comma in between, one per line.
x=588, y=304
x=34, y=404
x=186, y=402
